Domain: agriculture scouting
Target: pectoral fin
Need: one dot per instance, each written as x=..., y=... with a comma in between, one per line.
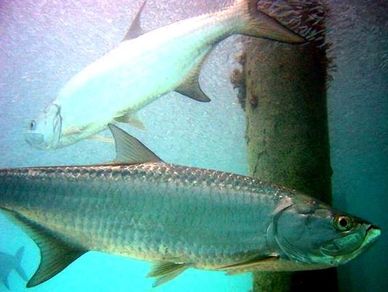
x=190, y=86
x=101, y=138
x=56, y=254
x=131, y=119
x=249, y=265
x=71, y=131
x=166, y=271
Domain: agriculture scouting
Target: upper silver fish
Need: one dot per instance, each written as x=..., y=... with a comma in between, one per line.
x=176, y=216
x=142, y=68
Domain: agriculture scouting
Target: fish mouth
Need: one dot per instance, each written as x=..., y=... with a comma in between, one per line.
x=341, y=254
x=372, y=233
x=35, y=140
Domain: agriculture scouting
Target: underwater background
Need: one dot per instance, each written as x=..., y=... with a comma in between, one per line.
x=44, y=43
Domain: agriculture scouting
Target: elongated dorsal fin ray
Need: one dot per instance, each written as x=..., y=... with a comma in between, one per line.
x=129, y=149
x=55, y=254
x=190, y=86
x=135, y=29
x=166, y=271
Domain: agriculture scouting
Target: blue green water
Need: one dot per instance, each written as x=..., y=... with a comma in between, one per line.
x=44, y=43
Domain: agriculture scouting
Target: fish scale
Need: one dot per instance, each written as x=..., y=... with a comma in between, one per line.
x=144, y=207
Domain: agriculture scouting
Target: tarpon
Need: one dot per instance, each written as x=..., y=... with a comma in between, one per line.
x=8, y=263
x=175, y=216
x=142, y=68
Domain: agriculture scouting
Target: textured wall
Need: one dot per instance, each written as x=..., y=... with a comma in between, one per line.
x=287, y=134
x=357, y=44
x=358, y=115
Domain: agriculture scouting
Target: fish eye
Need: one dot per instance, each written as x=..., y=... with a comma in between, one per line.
x=32, y=125
x=343, y=223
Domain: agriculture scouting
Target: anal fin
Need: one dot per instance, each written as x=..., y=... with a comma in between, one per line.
x=166, y=271
x=55, y=254
x=190, y=86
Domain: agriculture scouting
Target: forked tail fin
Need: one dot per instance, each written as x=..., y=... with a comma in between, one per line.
x=258, y=24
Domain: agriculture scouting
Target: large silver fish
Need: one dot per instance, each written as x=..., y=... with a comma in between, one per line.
x=178, y=217
x=142, y=68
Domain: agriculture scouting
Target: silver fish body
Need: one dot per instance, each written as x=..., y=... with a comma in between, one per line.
x=176, y=216
x=152, y=211
x=142, y=68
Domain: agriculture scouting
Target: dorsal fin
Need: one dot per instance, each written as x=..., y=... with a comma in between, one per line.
x=190, y=86
x=55, y=254
x=166, y=271
x=135, y=29
x=129, y=149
